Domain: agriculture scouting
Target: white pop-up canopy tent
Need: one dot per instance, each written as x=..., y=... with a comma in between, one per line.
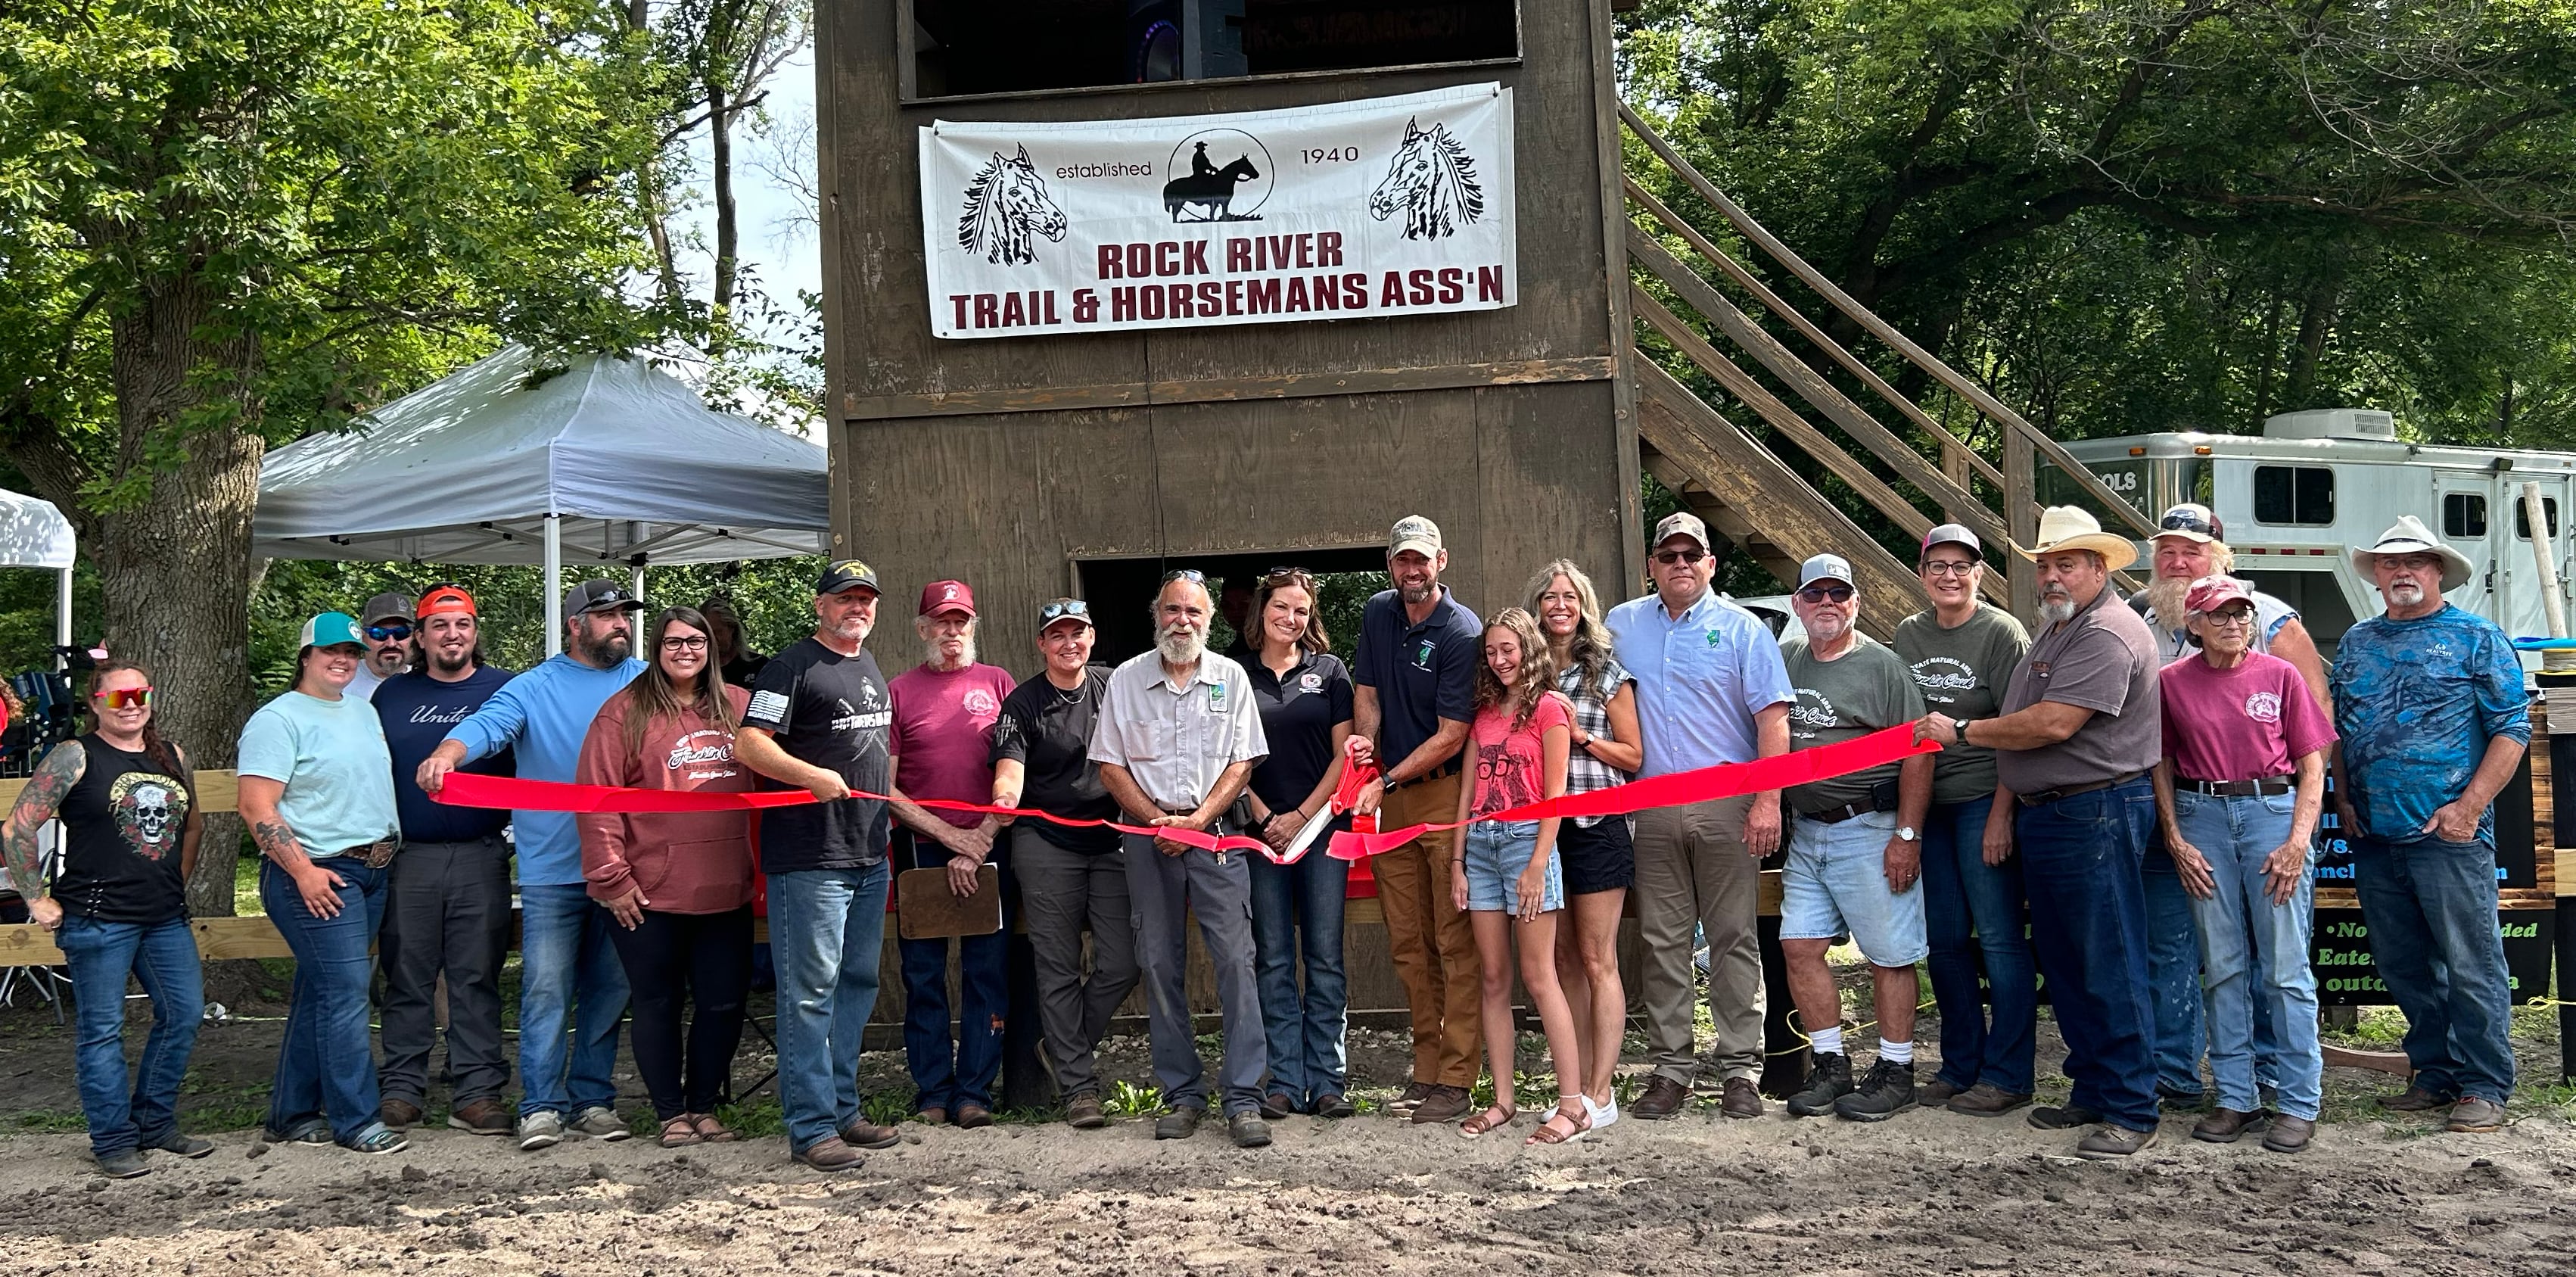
x=33, y=534
x=611, y=462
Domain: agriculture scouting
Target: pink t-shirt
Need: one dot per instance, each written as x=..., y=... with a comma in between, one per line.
x=943, y=734
x=1509, y=764
x=2251, y=721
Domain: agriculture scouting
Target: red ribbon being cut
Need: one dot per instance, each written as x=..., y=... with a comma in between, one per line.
x=1727, y=780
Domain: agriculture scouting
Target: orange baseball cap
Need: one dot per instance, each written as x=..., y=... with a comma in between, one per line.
x=445, y=600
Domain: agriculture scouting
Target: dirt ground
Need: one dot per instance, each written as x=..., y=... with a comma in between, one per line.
x=1927, y=1192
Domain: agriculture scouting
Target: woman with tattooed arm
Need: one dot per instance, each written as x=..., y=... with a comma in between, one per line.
x=119, y=906
x=317, y=790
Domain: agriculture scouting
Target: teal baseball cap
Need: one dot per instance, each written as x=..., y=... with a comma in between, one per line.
x=330, y=629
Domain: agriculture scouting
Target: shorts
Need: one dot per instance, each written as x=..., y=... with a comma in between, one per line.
x=1497, y=852
x=1600, y=858
x=1835, y=881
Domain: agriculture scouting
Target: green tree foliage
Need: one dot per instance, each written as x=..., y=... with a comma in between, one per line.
x=226, y=223
x=2135, y=215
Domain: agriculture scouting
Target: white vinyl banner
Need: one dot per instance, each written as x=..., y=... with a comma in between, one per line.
x=1388, y=206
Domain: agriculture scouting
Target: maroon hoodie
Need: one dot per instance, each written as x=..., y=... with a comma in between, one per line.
x=685, y=862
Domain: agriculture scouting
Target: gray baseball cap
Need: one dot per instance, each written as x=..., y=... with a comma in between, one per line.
x=388, y=606
x=1824, y=567
x=1682, y=523
x=1413, y=532
x=599, y=595
x=1952, y=534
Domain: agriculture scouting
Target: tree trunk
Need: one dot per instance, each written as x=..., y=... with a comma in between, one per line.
x=728, y=232
x=2316, y=320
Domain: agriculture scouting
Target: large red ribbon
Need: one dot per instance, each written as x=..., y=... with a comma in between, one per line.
x=1726, y=780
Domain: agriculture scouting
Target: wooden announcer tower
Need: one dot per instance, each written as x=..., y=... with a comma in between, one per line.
x=1089, y=463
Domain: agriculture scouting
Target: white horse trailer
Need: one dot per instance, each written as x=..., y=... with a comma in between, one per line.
x=2313, y=484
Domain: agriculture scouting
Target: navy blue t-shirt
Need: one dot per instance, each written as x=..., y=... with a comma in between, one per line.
x=418, y=712
x=1422, y=673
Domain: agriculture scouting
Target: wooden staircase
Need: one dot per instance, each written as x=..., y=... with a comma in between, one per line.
x=1895, y=481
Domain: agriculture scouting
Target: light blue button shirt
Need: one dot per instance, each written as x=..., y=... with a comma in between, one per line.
x=1700, y=679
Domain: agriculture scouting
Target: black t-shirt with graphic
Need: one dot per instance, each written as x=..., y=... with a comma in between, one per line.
x=1048, y=731
x=121, y=826
x=832, y=711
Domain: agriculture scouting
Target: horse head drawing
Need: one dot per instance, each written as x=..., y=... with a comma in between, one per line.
x=1007, y=209
x=1432, y=181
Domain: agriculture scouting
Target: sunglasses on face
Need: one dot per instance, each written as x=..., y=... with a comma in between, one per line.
x=384, y=633
x=1823, y=593
x=1670, y=557
x=126, y=697
x=685, y=643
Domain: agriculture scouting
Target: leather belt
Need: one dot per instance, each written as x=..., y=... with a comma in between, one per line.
x=2047, y=796
x=1444, y=770
x=374, y=855
x=2259, y=786
x=1837, y=815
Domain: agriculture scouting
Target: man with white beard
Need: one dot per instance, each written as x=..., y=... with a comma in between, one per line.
x=2430, y=703
x=944, y=711
x=2082, y=725
x=1855, y=849
x=1178, y=736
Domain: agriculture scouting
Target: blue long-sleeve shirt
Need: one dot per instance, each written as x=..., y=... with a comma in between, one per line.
x=542, y=716
x=2417, y=702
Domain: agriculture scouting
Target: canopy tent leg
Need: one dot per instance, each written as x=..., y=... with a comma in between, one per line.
x=63, y=607
x=554, y=585
x=635, y=584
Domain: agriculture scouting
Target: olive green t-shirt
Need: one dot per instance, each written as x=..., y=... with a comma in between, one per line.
x=1859, y=692
x=1963, y=672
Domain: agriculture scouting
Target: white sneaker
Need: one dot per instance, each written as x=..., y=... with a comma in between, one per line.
x=541, y=1129
x=1604, y=1116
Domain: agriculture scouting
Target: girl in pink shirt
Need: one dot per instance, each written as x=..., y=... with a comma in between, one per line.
x=1507, y=870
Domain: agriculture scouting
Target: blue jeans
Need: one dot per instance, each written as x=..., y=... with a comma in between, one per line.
x=2088, y=927
x=1297, y=913
x=2431, y=909
x=946, y=1073
x=568, y=971
x=2173, y=974
x=2254, y=952
x=326, y=1063
x=163, y=957
x=826, y=932
x=1972, y=911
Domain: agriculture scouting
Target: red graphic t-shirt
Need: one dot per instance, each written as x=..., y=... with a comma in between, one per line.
x=943, y=734
x=1508, y=763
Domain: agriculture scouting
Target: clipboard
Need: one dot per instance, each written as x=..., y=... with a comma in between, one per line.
x=925, y=909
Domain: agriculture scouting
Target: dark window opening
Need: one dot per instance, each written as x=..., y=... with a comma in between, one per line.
x=2293, y=494
x=1019, y=46
x=2320, y=601
x=2522, y=518
x=2464, y=514
x=1121, y=593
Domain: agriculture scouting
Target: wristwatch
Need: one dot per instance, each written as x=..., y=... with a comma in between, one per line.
x=1908, y=833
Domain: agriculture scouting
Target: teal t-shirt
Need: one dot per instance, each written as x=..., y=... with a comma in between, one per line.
x=331, y=757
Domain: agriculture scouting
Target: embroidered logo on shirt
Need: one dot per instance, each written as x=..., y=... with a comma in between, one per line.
x=1422, y=655
x=1713, y=638
x=1216, y=698
x=2263, y=707
x=980, y=703
x=1311, y=683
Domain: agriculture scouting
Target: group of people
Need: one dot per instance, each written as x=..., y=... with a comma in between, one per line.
x=2123, y=804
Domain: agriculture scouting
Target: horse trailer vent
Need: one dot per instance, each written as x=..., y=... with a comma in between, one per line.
x=2333, y=423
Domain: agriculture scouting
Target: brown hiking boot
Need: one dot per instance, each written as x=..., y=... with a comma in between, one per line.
x=1664, y=1097
x=1741, y=1099
x=399, y=1114
x=1986, y=1100
x=486, y=1116
x=2415, y=1099
x=830, y=1154
x=1083, y=1112
x=2226, y=1126
x=1414, y=1094
x=2472, y=1115
x=2289, y=1134
x=1935, y=1092
x=2111, y=1142
x=1444, y=1104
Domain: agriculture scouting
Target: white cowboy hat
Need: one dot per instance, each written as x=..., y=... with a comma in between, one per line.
x=2410, y=536
x=2066, y=527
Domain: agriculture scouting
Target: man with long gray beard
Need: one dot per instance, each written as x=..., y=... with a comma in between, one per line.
x=2081, y=728
x=1178, y=736
x=944, y=711
x=2189, y=545
x=568, y=967
x=447, y=905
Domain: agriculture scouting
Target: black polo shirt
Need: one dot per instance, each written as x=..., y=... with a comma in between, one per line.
x=1422, y=673
x=1298, y=715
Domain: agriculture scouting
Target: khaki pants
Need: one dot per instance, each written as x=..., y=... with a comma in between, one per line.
x=1433, y=945
x=1692, y=869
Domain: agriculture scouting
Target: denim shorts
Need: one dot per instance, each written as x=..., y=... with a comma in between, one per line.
x=1497, y=852
x=1835, y=881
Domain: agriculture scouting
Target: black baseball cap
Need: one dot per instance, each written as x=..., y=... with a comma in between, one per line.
x=599, y=595
x=846, y=574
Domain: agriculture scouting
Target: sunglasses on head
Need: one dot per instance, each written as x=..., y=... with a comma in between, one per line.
x=1191, y=575
x=126, y=697
x=1062, y=608
x=382, y=633
x=2185, y=521
x=1822, y=593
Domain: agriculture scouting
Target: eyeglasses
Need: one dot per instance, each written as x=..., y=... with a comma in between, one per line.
x=1948, y=567
x=685, y=642
x=382, y=633
x=2232, y=618
x=1820, y=593
x=126, y=697
x=1670, y=557
x=1191, y=575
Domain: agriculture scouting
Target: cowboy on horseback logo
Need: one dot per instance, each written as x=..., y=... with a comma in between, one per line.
x=1432, y=181
x=1007, y=210
x=1205, y=186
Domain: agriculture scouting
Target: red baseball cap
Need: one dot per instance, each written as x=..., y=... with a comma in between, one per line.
x=444, y=600
x=2210, y=593
x=947, y=596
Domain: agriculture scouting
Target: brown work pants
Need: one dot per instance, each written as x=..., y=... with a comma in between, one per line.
x=1433, y=945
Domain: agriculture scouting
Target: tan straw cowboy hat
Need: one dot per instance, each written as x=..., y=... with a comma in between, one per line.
x=2410, y=536
x=2066, y=527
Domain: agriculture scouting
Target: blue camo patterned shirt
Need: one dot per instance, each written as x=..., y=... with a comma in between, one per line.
x=2417, y=701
